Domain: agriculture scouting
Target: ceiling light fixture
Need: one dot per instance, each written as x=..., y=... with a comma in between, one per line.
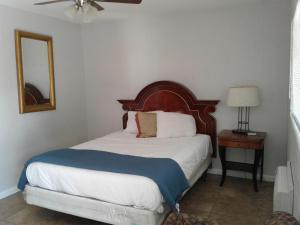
x=85, y=10
x=81, y=13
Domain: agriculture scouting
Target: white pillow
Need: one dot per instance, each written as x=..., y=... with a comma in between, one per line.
x=131, y=122
x=171, y=125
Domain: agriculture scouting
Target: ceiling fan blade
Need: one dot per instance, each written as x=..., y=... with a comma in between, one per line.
x=121, y=1
x=97, y=6
x=50, y=2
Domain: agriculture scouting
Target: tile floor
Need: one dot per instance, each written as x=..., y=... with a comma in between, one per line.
x=234, y=204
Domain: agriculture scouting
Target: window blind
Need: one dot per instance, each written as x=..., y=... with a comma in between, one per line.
x=295, y=67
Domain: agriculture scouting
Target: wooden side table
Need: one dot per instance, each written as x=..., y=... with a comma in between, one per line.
x=227, y=139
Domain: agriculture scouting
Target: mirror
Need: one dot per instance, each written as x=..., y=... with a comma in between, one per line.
x=35, y=69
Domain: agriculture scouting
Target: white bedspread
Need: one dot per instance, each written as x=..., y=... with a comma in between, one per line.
x=116, y=188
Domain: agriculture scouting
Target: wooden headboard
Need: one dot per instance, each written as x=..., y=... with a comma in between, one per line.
x=173, y=97
x=33, y=96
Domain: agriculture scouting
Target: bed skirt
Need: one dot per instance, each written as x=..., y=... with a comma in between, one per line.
x=98, y=210
x=91, y=209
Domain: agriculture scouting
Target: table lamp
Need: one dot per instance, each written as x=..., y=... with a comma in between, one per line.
x=243, y=98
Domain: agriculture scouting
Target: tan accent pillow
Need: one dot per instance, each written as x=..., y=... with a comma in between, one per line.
x=147, y=124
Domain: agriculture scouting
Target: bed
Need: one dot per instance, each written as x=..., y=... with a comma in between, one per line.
x=127, y=199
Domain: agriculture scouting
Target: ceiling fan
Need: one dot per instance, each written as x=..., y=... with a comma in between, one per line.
x=87, y=9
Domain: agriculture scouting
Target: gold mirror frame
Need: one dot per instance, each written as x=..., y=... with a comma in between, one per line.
x=21, y=85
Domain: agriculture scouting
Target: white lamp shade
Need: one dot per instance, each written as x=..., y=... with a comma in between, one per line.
x=245, y=96
x=86, y=13
x=90, y=13
x=71, y=11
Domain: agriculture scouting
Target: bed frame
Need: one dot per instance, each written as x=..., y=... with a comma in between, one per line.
x=163, y=95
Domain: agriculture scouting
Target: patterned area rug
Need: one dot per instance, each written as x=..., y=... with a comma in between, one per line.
x=186, y=219
x=281, y=218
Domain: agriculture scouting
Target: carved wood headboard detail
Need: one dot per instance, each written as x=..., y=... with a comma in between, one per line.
x=173, y=97
x=33, y=96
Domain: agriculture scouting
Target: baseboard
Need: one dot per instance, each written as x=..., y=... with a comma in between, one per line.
x=8, y=192
x=216, y=171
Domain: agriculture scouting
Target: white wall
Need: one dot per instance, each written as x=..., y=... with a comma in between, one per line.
x=294, y=150
x=22, y=136
x=208, y=51
x=294, y=157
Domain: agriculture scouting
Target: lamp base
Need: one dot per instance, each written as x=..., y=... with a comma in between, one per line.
x=241, y=132
x=243, y=121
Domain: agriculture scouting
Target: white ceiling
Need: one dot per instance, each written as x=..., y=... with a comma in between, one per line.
x=114, y=10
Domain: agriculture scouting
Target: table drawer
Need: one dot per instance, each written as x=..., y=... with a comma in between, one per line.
x=236, y=144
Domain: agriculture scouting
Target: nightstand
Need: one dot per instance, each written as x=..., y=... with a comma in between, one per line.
x=227, y=139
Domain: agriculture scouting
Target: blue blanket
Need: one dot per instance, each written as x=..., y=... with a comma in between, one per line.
x=166, y=173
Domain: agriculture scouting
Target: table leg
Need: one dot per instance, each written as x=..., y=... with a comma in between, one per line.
x=204, y=176
x=255, y=166
x=222, y=153
x=262, y=165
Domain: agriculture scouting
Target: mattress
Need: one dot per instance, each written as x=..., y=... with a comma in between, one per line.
x=122, y=189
